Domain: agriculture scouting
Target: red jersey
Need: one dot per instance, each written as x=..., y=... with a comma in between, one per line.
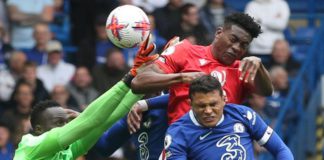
x=186, y=57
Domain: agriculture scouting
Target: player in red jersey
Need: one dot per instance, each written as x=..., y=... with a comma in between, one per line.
x=182, y=63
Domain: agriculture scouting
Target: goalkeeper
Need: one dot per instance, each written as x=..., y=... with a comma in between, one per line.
x=54, y=138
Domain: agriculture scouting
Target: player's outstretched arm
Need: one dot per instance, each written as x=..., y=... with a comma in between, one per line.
x=152, y=79
x=278, y=148
x=57, y=139
x=85, y=143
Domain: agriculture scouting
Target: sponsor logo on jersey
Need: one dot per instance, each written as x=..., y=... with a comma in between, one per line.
x=221, y=76
x=233, y=147
x=202, y=62
x=143, y=150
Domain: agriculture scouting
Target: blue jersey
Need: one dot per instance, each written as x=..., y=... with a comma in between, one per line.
x=148, y=140
x=231, y=138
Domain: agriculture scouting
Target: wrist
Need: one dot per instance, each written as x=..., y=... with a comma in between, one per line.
x=127, y=79
x=143, y=106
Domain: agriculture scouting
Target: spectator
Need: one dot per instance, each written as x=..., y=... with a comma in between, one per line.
x=5, y=47
x=257, y=103
x=81, y=88
x=42, y=35
x=7, y=84
x=6, y=147
x=156, y=36
x=150, y=5
x=281, y=56
x=24, y=15
x=189, y=25
x=276, y=101
x=61, y=95
x=106, y=75
x=4, y=21
x=212, y=16
x=279, y=78
x=167, y=17
x=16, y=64
x=273, y=16
x=29, y=76
x=19, y=113
x=56, y=71
x=102, y=42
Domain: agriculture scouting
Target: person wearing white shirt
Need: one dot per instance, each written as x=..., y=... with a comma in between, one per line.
x=273, y=16
x=56, y=71
x=24, y=14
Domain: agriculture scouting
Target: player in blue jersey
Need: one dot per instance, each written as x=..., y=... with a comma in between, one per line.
x=215, y=130
x=148, y=139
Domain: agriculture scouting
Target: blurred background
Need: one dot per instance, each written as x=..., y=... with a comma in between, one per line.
x=58, y=49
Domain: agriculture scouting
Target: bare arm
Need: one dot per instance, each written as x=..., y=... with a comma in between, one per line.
x=27, y=19
x=253, y=72
x=152, y=79
x=262, y=82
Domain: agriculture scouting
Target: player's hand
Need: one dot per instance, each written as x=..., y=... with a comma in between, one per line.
x=249, y=67
x=71, y=114
x=143, y=56
x=134, y=118
x=188, y=77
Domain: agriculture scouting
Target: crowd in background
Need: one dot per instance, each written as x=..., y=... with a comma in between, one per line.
x=59, y=50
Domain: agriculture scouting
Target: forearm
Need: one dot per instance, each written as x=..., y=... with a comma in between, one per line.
x=278, y=148
x=112, y=139
x=149, y=82
x=94, y=115
x=27, y=19
x=122, y=109
x=262, y=82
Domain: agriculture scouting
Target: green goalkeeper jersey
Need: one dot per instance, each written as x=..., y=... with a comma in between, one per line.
x=29, y=141
x=78, y=136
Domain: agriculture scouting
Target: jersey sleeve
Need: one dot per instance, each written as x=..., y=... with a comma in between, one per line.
x=260, y=131
x=173, y=58
x=174, y=145
x=159, y=102
x=85, y=143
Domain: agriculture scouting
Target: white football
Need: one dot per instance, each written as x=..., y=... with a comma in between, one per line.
x=127, y=26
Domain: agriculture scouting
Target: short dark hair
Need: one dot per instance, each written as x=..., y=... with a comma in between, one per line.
x=205, y=84
x=184, y=9
x=244, y=21
x=39, y=108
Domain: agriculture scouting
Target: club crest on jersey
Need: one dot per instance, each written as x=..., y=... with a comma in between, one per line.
x=238, y=128
x=221, y=76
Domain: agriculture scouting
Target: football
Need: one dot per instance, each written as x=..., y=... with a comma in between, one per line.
x=127, y=26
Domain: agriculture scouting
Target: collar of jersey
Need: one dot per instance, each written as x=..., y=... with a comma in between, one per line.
x=195, y=121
